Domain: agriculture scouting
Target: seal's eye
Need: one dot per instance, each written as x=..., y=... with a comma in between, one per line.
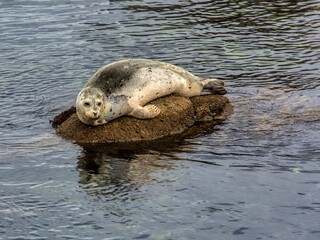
x=87, y=104
x=99, y=104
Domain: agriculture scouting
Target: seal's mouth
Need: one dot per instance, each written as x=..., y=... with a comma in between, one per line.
x=94, y=118
x=91, y=116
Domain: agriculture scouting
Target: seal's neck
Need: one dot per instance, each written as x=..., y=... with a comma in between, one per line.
x=116, y=106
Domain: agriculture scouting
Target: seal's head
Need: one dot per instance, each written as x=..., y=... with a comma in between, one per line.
x=90, y=105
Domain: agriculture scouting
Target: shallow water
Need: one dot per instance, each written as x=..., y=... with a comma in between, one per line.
x=254, y=177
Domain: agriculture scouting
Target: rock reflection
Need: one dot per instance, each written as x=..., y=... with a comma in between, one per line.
x=122, y=172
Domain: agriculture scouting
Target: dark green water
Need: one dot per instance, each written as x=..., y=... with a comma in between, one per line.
x=254, y=177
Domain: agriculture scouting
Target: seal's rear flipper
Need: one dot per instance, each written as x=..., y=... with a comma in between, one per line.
x=215, y=86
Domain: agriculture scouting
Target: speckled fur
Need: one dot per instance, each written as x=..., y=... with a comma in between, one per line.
x=124, y=87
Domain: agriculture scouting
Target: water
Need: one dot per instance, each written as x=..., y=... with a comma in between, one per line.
x=254, y=177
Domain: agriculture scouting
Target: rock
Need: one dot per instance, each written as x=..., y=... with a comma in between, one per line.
x=177, y=115
x=59, y=119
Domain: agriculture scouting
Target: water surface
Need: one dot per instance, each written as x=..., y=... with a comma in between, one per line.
x=254, y=177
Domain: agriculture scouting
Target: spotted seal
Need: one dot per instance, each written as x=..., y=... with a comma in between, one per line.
x=125, y=87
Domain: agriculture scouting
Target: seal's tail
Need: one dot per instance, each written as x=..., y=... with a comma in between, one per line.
x=215, y=86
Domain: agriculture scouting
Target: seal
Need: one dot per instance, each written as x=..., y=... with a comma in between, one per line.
x=125, y=87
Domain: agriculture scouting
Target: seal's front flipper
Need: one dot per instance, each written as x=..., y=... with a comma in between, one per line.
x=149, y=111
x=215, y=86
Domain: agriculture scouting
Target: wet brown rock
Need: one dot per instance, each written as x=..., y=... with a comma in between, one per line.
x=211, y=108
x=177, y=114
x=62, y=117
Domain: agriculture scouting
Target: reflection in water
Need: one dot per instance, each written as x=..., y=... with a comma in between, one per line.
x=123, y=172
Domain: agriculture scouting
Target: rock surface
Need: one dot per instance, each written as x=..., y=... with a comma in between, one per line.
x=177, y=115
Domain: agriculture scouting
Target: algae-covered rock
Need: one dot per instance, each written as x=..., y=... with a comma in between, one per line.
x=177, y=115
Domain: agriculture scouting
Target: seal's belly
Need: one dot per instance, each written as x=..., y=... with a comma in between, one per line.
x=148, y=84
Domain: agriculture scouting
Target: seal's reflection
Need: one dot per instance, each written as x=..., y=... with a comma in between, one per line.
x=124, y=170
